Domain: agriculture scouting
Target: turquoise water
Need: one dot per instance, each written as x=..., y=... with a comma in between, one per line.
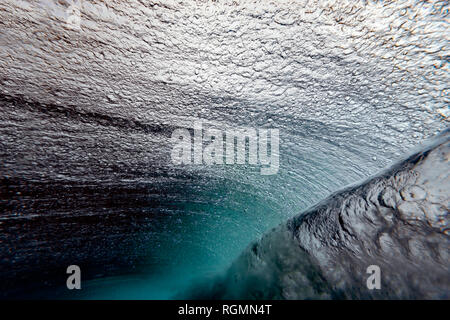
x=86, y=117
x=210, y=221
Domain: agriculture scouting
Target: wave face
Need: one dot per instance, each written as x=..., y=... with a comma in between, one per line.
x=86, y=115
x=398, y=221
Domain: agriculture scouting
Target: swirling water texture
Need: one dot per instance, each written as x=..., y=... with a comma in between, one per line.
x=86, y=115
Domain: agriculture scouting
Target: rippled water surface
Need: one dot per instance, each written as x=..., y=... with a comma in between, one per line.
x=86, y=117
